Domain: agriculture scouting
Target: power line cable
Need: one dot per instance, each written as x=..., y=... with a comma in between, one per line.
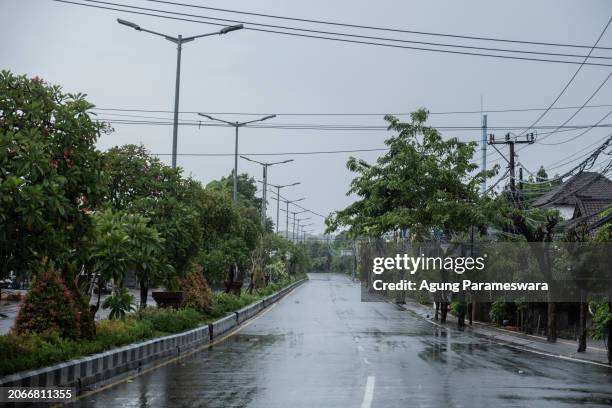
x=570, y=81
x=584, y=104
x=353, y=113
x=586, y=164
x=315, y=126
x=321, y=37
x=276, y=153
x=374, y=27
x=575, y=153
x=574, y=137
x=235, y=21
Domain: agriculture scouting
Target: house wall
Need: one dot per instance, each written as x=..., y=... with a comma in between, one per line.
x=566, y=211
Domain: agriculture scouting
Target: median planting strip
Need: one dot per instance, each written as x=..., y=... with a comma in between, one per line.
x=101, y=368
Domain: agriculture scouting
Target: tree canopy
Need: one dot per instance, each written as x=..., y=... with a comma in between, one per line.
x=50, y=173
x=423, y=182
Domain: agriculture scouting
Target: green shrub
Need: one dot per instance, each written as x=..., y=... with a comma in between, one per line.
x=26, y=351
x=170, y=320
x=118, y=332
x=499, y=312
x=277, y=271
x=49, y=306
x=602, y=317
x=197, y=293
x=31, y=350
x=119, y=303
x=224, y=303
x=259, y=277
x=458, y=307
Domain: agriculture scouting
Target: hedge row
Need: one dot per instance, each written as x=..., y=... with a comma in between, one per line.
x=31, y=351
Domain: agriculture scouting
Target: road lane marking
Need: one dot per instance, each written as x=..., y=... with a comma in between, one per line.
x=369, y=392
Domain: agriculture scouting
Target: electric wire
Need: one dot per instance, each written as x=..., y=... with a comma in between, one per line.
x=345, y=40
x=251, y=23
x=374, y=27
x=508, y=110
x=571, y=80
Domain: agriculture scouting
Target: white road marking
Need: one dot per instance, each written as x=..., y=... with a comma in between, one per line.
x=369, y=392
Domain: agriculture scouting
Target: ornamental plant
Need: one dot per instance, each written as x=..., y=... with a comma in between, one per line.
x=119, y=303
x=196, y=292
x=51, y=174
x=49, y=306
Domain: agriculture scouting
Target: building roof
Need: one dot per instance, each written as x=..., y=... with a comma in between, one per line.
x=587, y=213
x=592, y=189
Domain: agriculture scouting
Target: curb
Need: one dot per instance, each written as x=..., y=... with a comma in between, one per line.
x=518, y=345
x=101, y=368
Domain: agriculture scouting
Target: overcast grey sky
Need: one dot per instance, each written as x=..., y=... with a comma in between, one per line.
x=85, y=50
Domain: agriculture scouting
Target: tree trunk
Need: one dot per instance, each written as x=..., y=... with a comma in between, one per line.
x=551, y=332
x=444, y=311
x=94, y=308
x=582, y=335
x=230, y=279
x=144, y=293
x=461, y=317
x=437, y=310
x=472, y=312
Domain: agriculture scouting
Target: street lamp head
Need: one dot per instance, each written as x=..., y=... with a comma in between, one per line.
x=226, y=30
x=268, y=117
x=206, y=116
x=129, y=24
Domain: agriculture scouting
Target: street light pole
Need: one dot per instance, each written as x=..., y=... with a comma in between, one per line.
x=235, y=191
x=236, y=125
x=304, y=230
x=179, y=41
x=296, y=237
x=177, y=87
x=278, y=199
x=287, y=223
x=265, y=183
x=287, y=214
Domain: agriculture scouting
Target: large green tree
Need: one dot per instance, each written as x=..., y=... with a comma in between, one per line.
x=125, y=242
x=423, y=182
x=247, y=188
x=231, y=233
x=140, y=183
x=50, y=173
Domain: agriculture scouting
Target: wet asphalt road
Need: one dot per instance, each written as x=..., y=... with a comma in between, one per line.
x=322, y=347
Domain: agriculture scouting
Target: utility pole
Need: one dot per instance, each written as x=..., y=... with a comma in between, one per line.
x=236, y=125
x=297, y=236
x=304, y=230
x=179, y=41
x=511, y=142
x=287, y=223
x=483, y=148
x=265, y=184
x=287, y=214
x=278, y=199
x=264, y=203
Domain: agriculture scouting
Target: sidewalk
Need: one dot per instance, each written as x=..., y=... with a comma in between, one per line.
x=565, y=349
